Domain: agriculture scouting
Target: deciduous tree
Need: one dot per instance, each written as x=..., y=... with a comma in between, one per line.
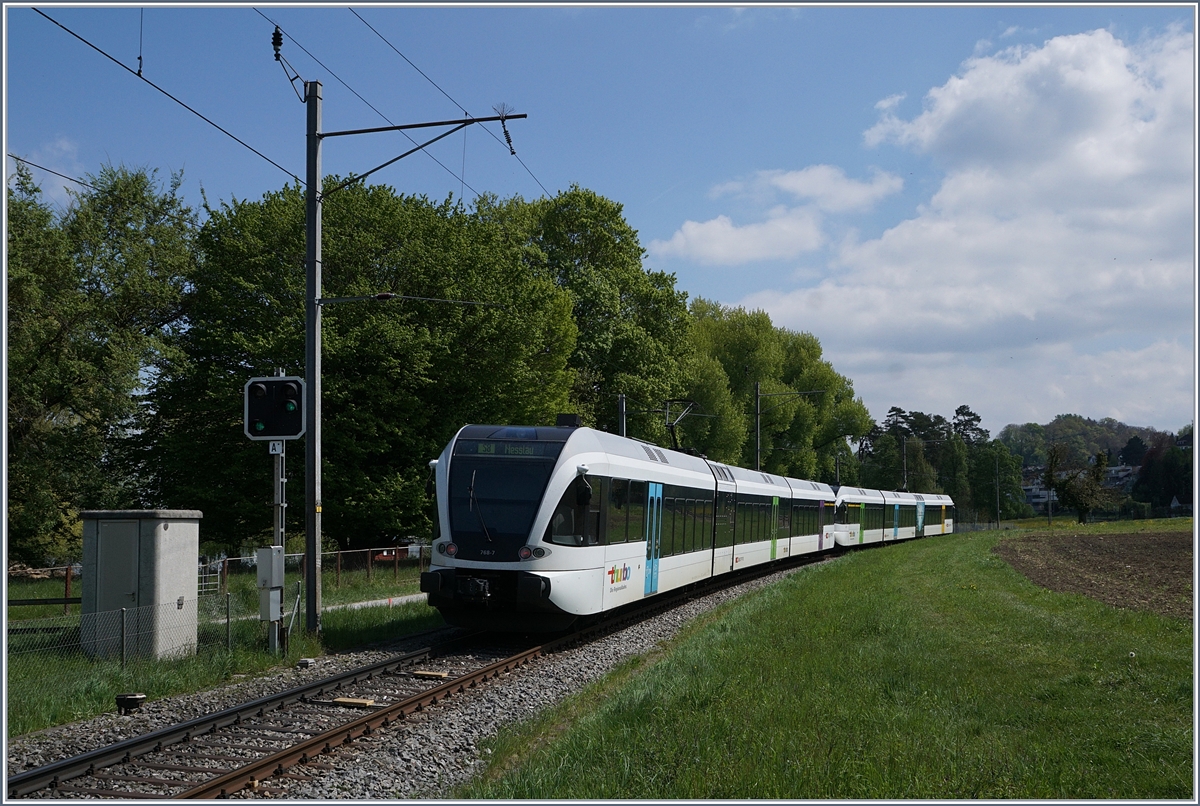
x=91, y=293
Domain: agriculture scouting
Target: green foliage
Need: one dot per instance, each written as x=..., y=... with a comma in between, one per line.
x=1080, y=488
x=399, y=378
x=632, y=323
x=122, y=293
x=953, y=457
x=92, y=293
x=993, y=466
x=1081, y=438
x=807, y=408
x=1166, y=474
x=941, y=673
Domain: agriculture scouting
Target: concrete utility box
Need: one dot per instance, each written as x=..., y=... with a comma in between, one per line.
x=144, y=561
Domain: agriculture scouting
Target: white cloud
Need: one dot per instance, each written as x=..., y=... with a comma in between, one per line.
x=787, y=233
x=1065, y=219
x=1148, y=386
x=891, y=101
x=828, y=187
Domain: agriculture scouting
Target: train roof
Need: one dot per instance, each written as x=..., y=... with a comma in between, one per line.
x=584, y=440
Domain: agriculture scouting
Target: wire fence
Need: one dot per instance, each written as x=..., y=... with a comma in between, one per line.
x=223, y=615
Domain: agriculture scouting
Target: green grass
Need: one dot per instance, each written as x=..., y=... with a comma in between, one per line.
x=41, y=589
x=1069, y=523
x=353, y=586
x=928, y=669
x=45, y=689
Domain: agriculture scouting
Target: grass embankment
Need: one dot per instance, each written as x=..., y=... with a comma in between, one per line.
x=43, y=690
x=928, y=669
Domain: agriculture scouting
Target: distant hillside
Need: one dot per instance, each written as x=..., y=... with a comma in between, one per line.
x=1083, y=436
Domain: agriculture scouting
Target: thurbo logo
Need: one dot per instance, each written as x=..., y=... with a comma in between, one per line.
x=616, y=575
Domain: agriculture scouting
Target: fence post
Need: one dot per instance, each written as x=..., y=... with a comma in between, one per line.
x=122, y=638
x=225, y=576
x=396, y=565
x=338, y=580
x=228, y=624
x=369, y=553
x=67, y=595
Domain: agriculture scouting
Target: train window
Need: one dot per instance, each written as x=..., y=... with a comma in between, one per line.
x=668, y=527
x=618, y=511
x=593, y=524
x=575, y=524
x=685, y=527
x=637, y=512
x=566, y=524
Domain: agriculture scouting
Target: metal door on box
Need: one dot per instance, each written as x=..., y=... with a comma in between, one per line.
x=116, y=585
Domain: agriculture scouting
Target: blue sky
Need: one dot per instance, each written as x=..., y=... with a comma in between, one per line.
x=984, y=205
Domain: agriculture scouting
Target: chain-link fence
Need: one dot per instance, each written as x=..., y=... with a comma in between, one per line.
x=172, y=630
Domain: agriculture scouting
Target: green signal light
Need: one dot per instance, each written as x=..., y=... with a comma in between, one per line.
x=259, y=425
x=289, y=406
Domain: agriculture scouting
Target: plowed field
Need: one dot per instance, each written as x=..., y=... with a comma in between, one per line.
x=1148, y=571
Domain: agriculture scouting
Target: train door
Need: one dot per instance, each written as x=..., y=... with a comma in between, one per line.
x=654, y=496
x=920, y=519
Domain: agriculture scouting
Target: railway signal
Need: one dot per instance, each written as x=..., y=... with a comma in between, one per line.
x=274, y=408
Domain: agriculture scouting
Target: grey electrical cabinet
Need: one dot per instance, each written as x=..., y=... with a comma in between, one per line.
x=140, y=571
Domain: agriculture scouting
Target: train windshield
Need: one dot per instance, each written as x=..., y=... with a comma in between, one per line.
x=496, y=487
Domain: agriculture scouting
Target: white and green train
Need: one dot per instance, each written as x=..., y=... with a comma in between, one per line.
x=538, y=527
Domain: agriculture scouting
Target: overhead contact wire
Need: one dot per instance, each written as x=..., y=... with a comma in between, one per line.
x=443, y=92
x=364, y=100
x=135, y=73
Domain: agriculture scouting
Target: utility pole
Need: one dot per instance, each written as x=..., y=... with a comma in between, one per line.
x=757, y=427
x=758, y=413
x=313, y=200
x=997, y=490
x=621, y=414
x=312, y=362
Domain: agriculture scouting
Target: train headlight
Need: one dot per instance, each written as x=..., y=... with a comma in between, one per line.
x=540, y=552
x=451, y=549
x=524, y=552
x=441, y=547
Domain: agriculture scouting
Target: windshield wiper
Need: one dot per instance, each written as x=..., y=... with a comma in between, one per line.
x=473, y=504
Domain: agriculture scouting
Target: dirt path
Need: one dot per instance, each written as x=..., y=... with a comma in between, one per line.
x=1149, y=571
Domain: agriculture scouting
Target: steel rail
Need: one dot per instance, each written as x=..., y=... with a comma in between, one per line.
x=277, y=763
x=86, y=763
x=308, y=750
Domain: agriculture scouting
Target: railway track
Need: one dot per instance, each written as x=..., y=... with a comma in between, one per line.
x=284, y=736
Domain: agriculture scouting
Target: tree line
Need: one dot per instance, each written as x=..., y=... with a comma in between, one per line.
x=923, y=452
x=133, y=327
x=1073, y=454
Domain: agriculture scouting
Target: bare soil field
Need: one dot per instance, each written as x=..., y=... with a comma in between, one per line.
x=1148, y=571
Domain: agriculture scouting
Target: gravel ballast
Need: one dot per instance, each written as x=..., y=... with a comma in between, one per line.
x=423, y=757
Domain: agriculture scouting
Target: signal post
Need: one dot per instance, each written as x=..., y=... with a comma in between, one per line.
x=274, y=412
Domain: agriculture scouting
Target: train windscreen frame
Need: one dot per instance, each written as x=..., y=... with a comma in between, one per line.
x=496, y=488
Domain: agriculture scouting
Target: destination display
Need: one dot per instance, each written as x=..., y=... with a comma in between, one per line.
x=499, y=447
